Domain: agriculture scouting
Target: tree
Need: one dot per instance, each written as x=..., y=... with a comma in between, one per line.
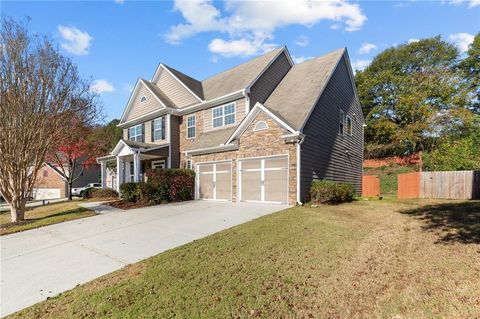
x=105, y=138
x=410, y=94
x=471, y=66
x=40, y=92
x=73, y=154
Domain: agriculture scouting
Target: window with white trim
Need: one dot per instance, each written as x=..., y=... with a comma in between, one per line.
x=349, y=125
x=191, y=128
x=223, y=115
x=260, y=126
x=159, y=129
x=158, y=164
x=342, y=122
x=135, y=133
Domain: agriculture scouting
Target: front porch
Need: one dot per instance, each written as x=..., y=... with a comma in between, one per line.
x=131, y=160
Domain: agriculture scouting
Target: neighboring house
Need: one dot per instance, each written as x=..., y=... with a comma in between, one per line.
x=51, y=183
x=261, y=131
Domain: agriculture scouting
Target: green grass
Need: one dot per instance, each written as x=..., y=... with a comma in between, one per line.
x=44, y=215
x=388, y=177
x=366, y=259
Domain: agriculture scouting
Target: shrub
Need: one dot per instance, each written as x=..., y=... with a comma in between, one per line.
x=87, y=192
x=172, y=184
x=103, y=193
x=129, y=191
x=145, y=194
x=329, y=192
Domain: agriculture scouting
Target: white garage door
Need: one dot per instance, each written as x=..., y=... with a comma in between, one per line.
x=214, y=181
x=264, y=179
x=46, y=193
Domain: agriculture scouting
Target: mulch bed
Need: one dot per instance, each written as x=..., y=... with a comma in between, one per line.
x=123, y=204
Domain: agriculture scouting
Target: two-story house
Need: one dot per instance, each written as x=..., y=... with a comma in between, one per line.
x=261, y=131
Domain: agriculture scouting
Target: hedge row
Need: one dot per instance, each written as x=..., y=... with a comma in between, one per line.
x=162, y=186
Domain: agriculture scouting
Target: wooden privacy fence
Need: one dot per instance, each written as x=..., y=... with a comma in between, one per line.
x=449, y=185
x=370, y=185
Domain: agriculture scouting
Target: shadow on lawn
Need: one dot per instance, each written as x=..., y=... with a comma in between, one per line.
x=455, y=222
x=36, y=219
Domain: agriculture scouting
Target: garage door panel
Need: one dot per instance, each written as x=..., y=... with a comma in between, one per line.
x=276, y=185
x=223, y=186
x=46, y=193
x=251, y=164
x=251, y=186
x=205, y=168
x=206, y=186
x=279, y=162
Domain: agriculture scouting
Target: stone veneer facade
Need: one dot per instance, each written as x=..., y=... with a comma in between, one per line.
x=252, y=144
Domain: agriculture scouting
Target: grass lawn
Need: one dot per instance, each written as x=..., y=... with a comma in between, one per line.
x=367, y=259
x=44, y=215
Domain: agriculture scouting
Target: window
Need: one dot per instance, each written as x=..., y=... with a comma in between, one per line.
x=158, y=164
x=223, y=115
x=158, y=129
x=191, y=126
x=260, y=126
x=188, y=164
x=342, y=122
x=349, y=125
x=135, y=133
x=45, y=173
x=143, y=99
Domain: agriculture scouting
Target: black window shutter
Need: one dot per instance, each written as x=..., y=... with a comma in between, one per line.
x=128, y=133
x=143, y=133
x=153, y=130
x=163, y=128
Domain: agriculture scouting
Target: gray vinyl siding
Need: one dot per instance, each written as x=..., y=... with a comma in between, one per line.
x=175, y=141
x=324, y=151
x=91, y=174
x=269, y=80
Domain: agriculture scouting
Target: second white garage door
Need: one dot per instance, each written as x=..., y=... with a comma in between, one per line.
x=264, y=179
x=214, y=181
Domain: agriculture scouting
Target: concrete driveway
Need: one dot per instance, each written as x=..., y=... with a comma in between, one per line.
x=43, y=262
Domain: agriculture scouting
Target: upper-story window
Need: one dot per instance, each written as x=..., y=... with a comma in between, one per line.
x=158, y=129
x=349, y=125
x=135, y=133
x=342, y=122
x=223, y=115
x=143, y=98
x=191, y=126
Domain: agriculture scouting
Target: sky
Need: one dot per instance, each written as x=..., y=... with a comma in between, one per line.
x=115, y=42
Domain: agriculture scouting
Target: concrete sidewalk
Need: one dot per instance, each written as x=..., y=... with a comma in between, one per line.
x=43, y=262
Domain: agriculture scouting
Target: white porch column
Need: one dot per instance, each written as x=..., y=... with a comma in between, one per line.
x=136, y=166
x=103, y=171
x=119, y=173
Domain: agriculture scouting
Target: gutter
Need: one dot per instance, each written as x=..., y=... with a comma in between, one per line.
x=214, y=149
x=299, y=166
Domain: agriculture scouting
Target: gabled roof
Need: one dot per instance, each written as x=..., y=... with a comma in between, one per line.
x=194, y=85
x=158, y=93
x=238, y=77
x=211, y=139
x=298, y=92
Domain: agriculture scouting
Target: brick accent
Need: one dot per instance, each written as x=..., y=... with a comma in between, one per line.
x=51, y=180
x=254, y=144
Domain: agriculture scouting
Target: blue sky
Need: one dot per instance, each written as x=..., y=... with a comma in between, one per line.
x=115, y=42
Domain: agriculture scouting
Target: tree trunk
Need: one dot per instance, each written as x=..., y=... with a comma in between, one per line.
x=17, y=210
x=70, y=184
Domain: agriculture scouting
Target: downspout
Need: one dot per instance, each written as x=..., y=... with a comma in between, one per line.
x=169, y=131
x=299, y=167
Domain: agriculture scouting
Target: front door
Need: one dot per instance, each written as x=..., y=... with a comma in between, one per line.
x=264, y=179
x=214, y=181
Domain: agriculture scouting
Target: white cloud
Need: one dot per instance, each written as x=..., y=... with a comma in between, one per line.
x=101, y=86
x=74, y=41
x=301, y=59
x=412, y=40
x=302, y=41
x=471, y=3
x=367, y=48
x=462, y=40
x=335, y=26
x=247, y=22
x=119, y=1
x=242, y=47
x=360, y=65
